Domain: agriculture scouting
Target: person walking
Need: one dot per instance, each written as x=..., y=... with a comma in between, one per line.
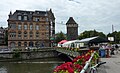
x=116, y=48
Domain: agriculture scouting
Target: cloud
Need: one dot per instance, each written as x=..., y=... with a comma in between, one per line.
x=89, y=14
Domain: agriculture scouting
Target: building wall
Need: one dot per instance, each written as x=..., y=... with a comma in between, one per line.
x=72, y=29
x=20, y=32
x=2, y=36
x=72, y=33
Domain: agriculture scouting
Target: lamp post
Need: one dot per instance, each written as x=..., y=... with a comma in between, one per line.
x=52, y=41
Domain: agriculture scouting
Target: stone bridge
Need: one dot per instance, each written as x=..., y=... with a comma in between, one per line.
x=43, y=53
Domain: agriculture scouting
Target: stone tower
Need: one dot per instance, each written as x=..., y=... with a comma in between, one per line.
x=72, y=29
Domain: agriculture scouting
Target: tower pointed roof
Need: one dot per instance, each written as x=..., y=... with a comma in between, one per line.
x=71, y=21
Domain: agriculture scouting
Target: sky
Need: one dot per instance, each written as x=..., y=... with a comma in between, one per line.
x=97, y=15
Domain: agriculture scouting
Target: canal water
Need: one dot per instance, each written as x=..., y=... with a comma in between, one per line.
x=31, y=66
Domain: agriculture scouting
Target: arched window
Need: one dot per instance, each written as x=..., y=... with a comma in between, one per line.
x=19, y=43
x=25, y=34
x=37, y=34
x=37, y=27
x=25, y=26
x=25, y=44
x=12, y=44
x=31, y=44
x=31, y=26
x=19, y=34
x=36, y=44
x=31, y=34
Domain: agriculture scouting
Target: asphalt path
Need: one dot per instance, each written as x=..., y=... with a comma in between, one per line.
x=112, y=64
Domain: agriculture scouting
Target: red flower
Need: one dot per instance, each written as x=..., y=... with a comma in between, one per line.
x=76, y=65
x=70, y=70
x=74, y=60
x=78, y=57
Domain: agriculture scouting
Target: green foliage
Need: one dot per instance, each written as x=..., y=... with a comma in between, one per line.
x=35, y=50
x=60, y=36
x=116, y=36
x=91, y=33
x=16, y=55
x=17, y=50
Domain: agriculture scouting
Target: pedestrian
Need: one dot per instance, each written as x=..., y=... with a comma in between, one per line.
x=116, y=48
x=112, y=51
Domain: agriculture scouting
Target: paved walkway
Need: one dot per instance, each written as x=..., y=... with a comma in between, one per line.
x=112, y=64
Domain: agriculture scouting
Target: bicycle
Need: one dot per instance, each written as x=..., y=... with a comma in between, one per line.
x=93, y=69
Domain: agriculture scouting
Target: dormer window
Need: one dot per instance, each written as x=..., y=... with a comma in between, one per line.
x=46, y=14
x=19, y=17
x=37, y=12
x=25, y=18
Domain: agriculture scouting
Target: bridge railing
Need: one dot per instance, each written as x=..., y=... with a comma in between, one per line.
x=80, y=64
x=71, y=52
x=88, y=65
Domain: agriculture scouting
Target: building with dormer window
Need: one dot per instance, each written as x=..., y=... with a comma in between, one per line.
x=28, y=28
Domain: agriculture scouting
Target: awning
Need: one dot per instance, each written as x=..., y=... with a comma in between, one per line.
x=63, y=41
x=96, y=39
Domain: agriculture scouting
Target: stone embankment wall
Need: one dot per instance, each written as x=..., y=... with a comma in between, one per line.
x=30, y=54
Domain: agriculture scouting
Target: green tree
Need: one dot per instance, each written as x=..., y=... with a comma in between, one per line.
x=60, y=36
x=116, y=36
x=91, y=33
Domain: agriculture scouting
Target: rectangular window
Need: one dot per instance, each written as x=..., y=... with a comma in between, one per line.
x=31, y=27
x=47, y=35
x=46, y=19
x=47, y=27
x=13, y=35
x=19, y=27
x=37, y=19
x=30, y=36
x=25, y=36
x=19, y=17
x=25, y=27
x=19, y=36
x=37, y=27
x=37, y=36
x=25, y=17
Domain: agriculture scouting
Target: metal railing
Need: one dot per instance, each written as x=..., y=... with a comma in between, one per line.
x=87, y=63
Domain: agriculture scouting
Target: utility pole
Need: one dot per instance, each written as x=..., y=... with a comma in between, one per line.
x=112, y=28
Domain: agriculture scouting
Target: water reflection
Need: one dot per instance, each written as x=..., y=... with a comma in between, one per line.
x=30, y=66
x=3, y=70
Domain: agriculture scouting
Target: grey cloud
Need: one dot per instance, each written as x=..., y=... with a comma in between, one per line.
x=89, y=14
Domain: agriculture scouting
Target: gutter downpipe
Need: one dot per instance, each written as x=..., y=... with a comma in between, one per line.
x=87, y=64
